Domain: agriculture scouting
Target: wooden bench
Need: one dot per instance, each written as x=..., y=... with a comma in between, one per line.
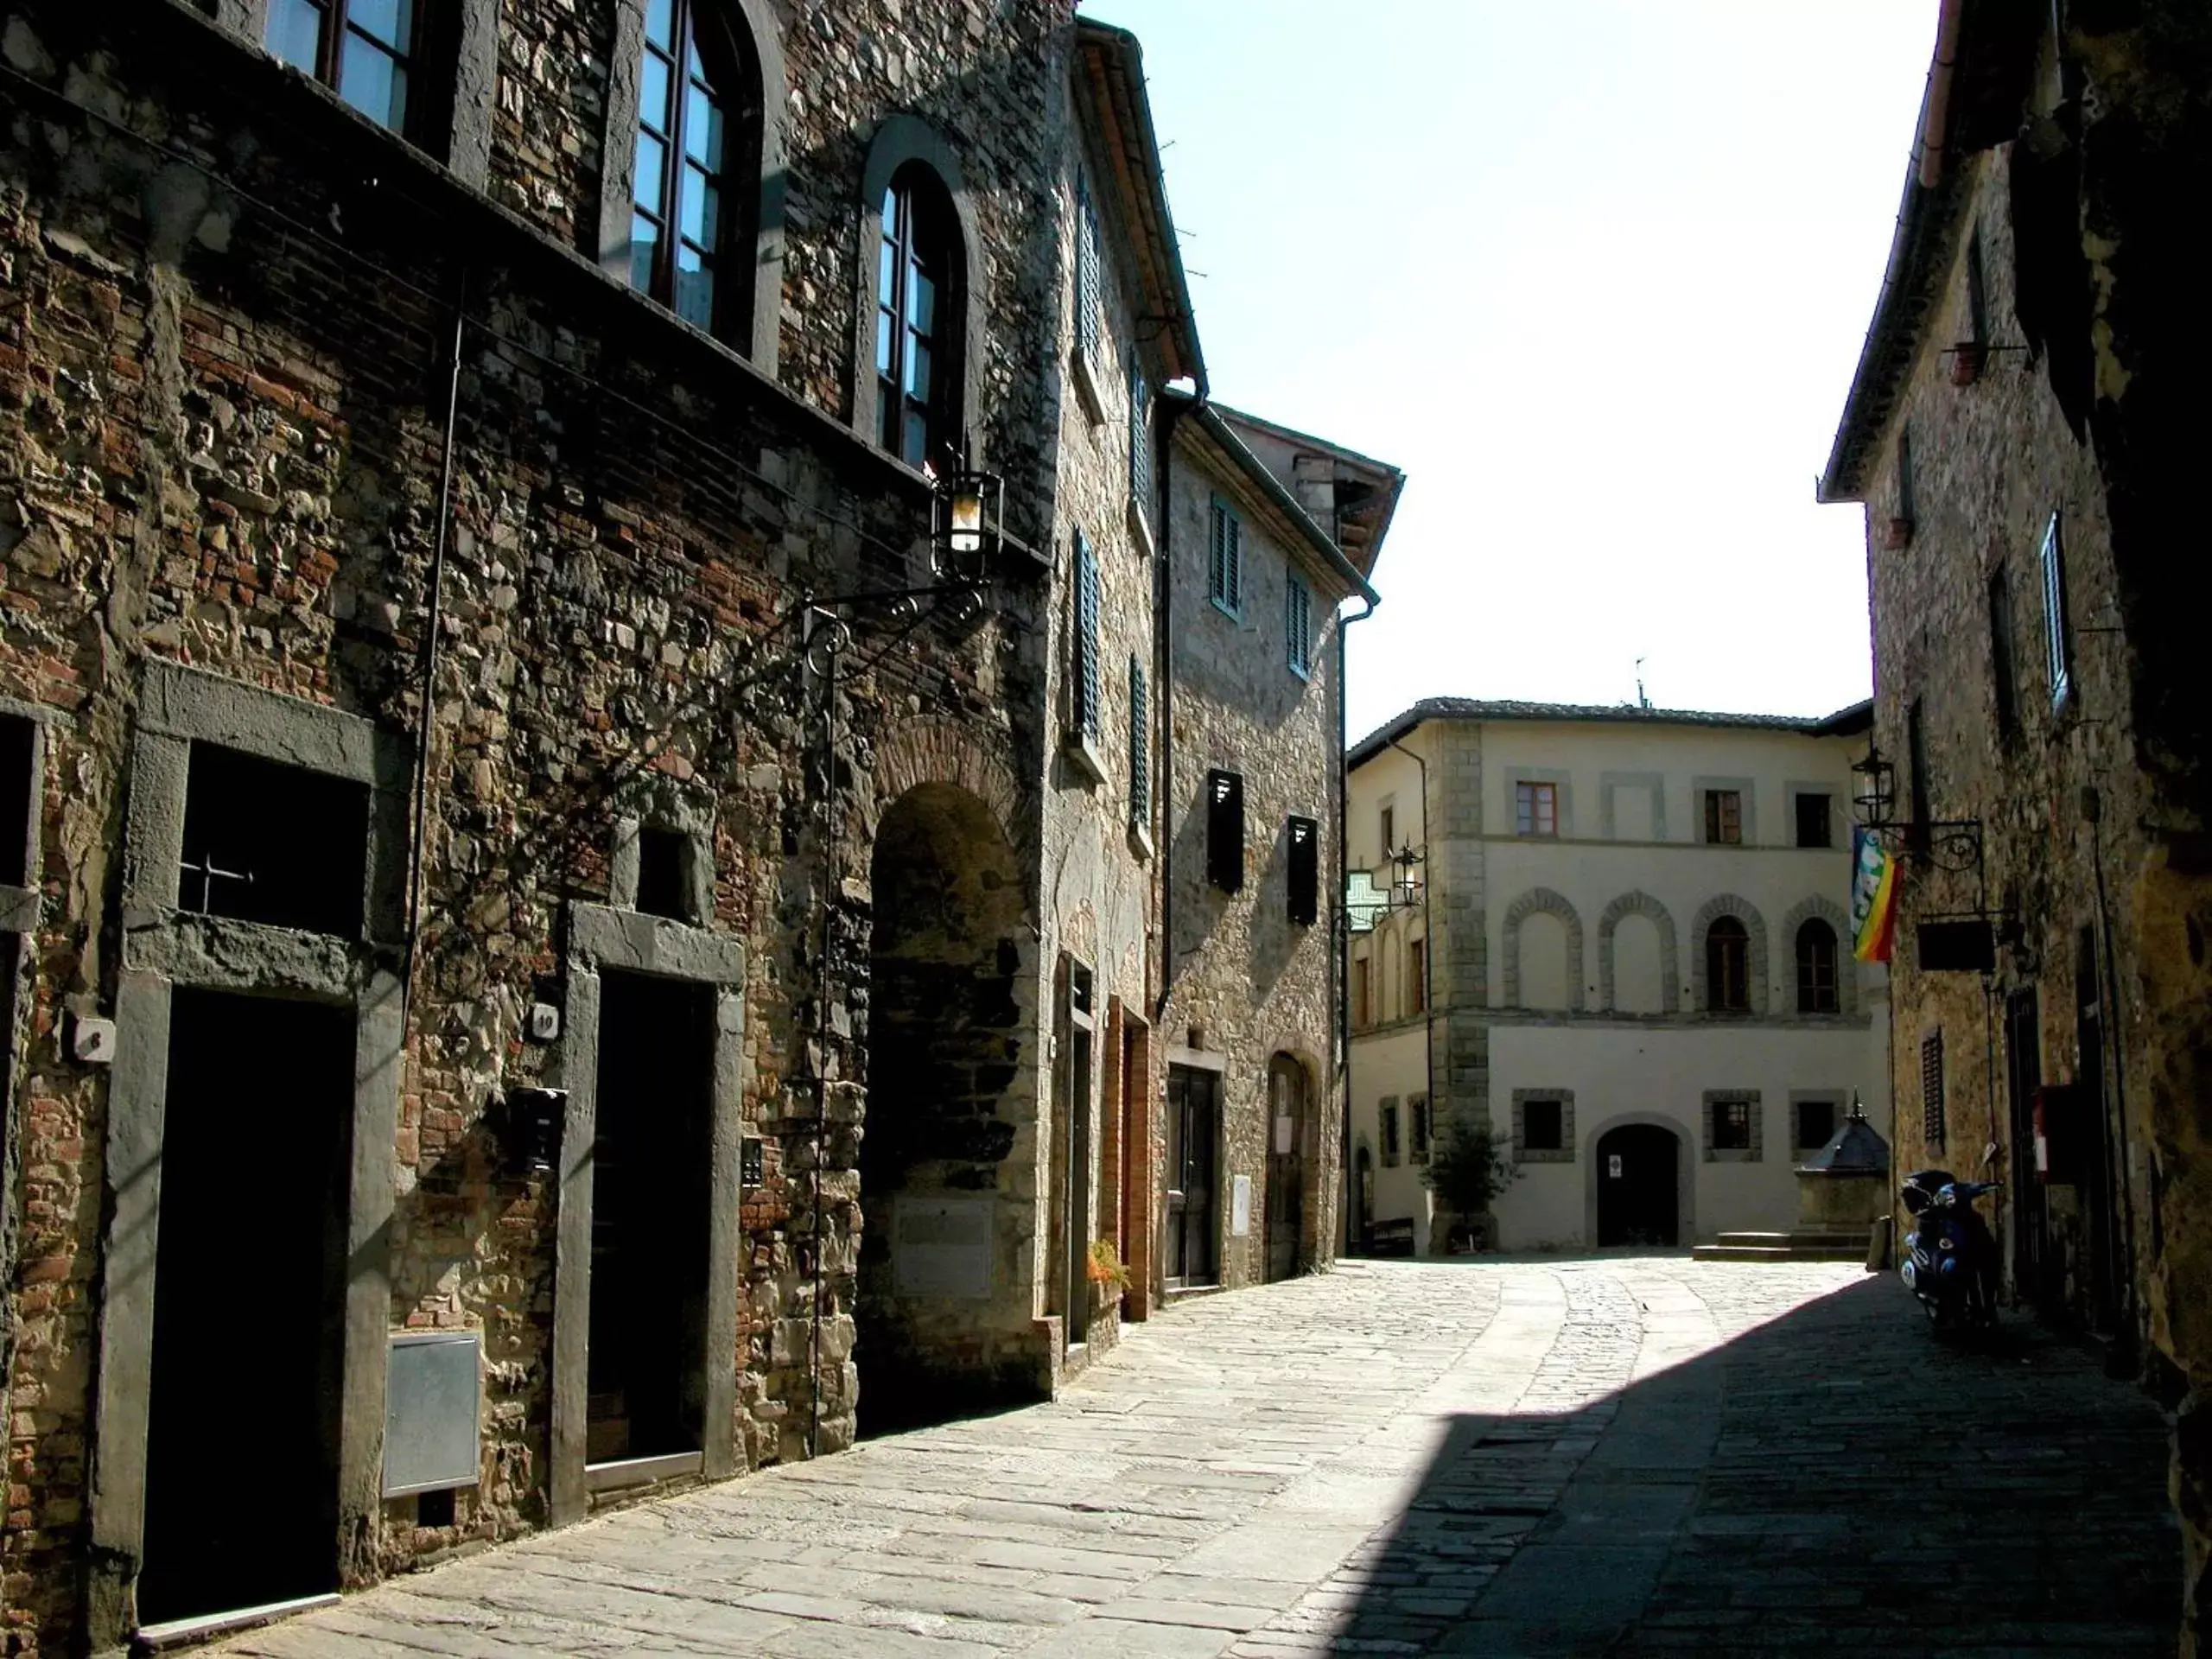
x=1391, y=1237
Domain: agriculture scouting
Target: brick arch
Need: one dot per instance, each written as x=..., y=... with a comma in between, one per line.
x=1637, y=903
x=923, y=750
x=1557, y=904
x=1745, y=911
x=1846, y=976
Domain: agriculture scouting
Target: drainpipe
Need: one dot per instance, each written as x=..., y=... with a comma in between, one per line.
x=1427, y=944
x=427, y=698
x=1342, y=953
x=1163, y=675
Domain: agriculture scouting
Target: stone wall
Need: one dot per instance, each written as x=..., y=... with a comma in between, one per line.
x=2051, y=783
x=1248, y=981
x=229, y=346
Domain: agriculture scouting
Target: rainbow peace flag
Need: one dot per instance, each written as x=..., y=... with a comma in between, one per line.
x=1874, y=898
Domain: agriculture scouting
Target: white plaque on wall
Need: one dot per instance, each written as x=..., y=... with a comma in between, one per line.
x=1283, y=1128
x=941, y=1246
x=1239, y=1207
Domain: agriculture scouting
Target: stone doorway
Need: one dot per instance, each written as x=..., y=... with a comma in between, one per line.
x=248, y=1325
x=1638, y=1167
x=1193, y=1152
x=651, y=1203
x=945, y=1303
x=1289, y=1132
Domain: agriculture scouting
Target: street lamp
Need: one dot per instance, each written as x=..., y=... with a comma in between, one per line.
x=966, y=530
x=1875, y=786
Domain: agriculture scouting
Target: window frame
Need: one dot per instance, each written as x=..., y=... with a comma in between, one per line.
x=1798, y=811
x=1298, y=625
x=1140, y=484
x=1086, y=684
x=1724, y=817
x=1812, y=996
x=1387, y=1131
x=1726, y=937
x=1226, y=560
x=1417, y=974
x=1362, y=992
x=1732, y=1124
x=723, y=75
x=333, y=25
x=1224, y=805
x=2058, y=634
x=1139, y=750
x=1527, y=820
x=1557, y=1140
x=1089, y=270
x=914, y=186
x=1420, y=1132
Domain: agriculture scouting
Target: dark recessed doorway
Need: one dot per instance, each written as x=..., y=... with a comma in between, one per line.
x=1638, y=1191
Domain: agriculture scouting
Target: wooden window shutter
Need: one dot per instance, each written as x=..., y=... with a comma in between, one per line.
x=1087, y=687
x=1305, y=871
x=1932, y=1127
x=1226, y=830
x=1139, y=750
x=1086, y=267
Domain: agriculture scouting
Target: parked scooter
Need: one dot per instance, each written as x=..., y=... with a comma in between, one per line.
x=1950, y=1255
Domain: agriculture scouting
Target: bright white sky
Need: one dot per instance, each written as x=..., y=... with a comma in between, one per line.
x=1595, y=274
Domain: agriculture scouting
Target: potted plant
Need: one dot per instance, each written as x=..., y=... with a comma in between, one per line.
x=1107, y=1275
x=1466, y=1171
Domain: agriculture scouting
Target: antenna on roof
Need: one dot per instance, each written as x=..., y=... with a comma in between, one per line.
x=1641, y=700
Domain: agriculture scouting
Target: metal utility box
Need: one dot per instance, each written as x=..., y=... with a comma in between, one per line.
x=432, y=1411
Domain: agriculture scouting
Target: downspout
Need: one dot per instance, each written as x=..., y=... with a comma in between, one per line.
x=428, y=690
x=1342, y=953
x=1163, y=674
x=1427, y=942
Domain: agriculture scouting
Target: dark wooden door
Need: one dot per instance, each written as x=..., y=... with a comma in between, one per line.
x=1193, y=1134
x=1637, y=1199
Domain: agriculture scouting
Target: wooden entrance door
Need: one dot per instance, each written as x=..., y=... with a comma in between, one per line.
x=1193, y=1140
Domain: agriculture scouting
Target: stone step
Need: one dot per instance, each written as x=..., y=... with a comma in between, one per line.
x=1782, y=1247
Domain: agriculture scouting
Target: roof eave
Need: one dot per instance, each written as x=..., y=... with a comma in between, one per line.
x=1318, y=540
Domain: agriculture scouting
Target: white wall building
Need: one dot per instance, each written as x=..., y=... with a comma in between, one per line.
x=1621, y=940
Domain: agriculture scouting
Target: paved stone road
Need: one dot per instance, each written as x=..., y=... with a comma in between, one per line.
x=1621, y=1455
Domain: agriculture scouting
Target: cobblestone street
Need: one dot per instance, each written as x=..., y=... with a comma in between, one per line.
x=1619, y=1455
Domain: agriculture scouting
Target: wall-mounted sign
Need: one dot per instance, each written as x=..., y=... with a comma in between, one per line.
x=1239, y=1207
x=1613, y=1165
x=941, y=1246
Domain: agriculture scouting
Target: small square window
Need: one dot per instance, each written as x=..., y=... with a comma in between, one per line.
x=1543, y=1126
x=1417, y=1113
x=1814, y=821
x=1390, y=1146
x=273, y=843
x=1724, y=816
x=1732, y=1126
x=1816, y=1121
x=1535, y=809
x=664, y=874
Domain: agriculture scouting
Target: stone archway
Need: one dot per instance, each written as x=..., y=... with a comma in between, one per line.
x=944, y=1309
x=1742, y=909
x=1542, y=901
x=1628, y=1134
x=1637, y=903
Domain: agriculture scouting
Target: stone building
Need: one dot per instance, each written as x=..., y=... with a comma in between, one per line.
x=539, y=976
x=1267, y=533
x=2024, y=432
x=1618, y=937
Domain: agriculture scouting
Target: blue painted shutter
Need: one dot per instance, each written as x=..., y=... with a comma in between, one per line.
x=1298, y=623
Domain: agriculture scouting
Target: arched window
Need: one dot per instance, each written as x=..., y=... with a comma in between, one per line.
x=917, y=302
x=362, y=48
x=1816, y=980
x=691, y=189
x=1728, y=967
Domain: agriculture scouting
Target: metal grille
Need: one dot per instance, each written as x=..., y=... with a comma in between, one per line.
x=1931, y=1089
